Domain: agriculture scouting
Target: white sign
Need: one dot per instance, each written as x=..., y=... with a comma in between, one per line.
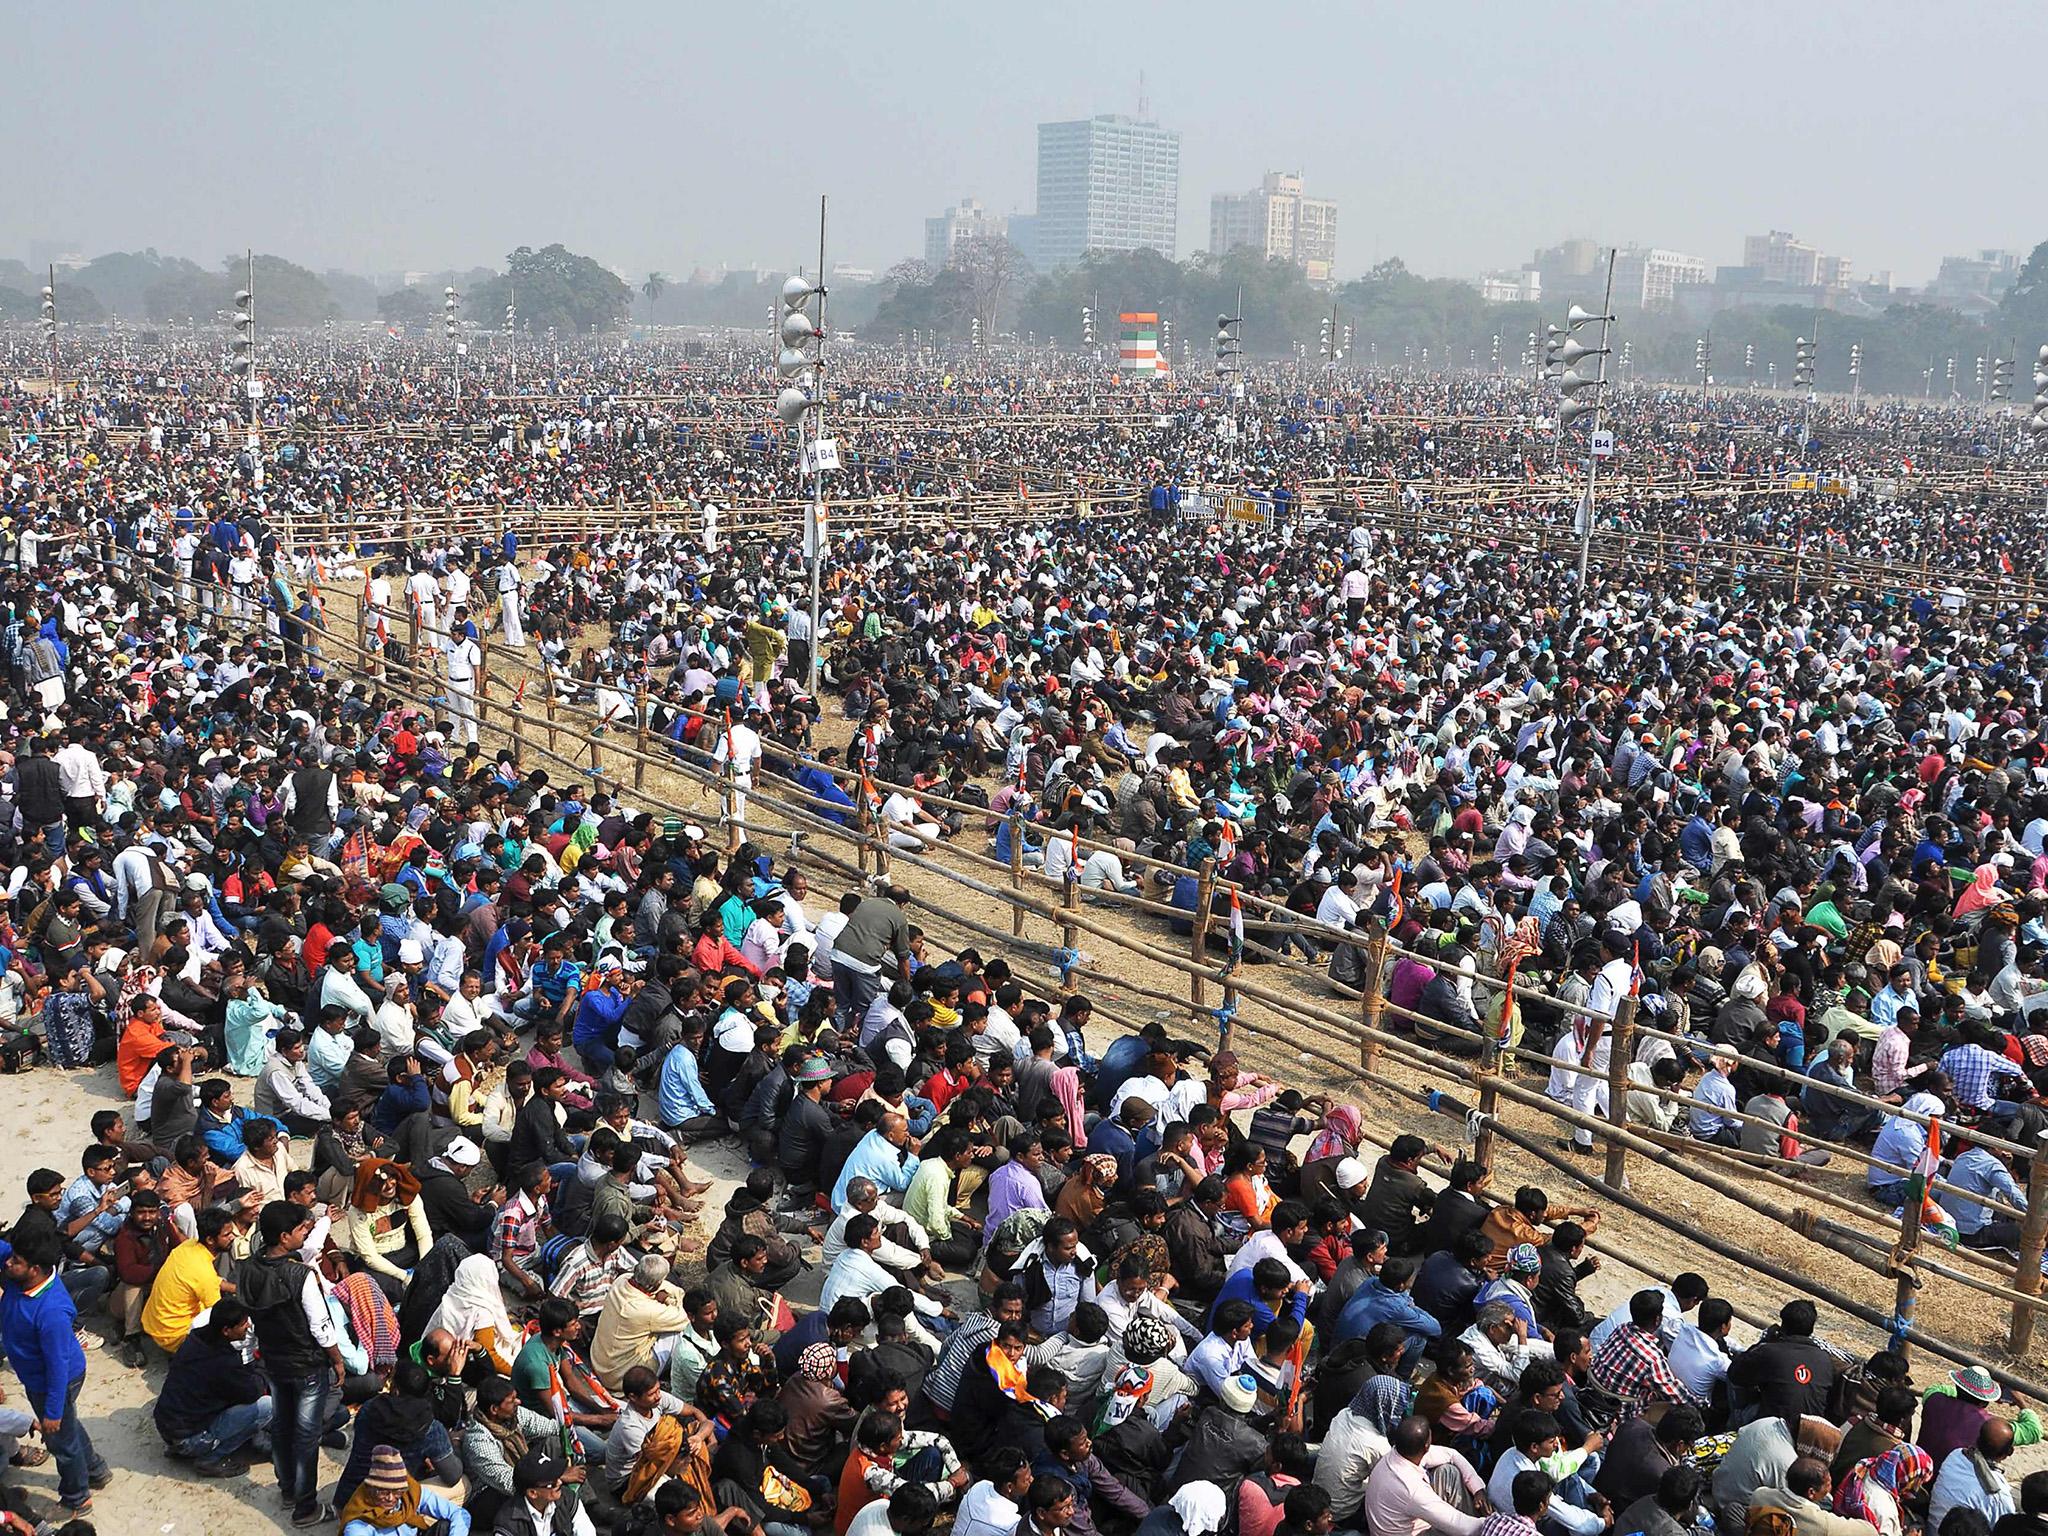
x=822, y=454
x=817, y=528
x=255, y=389
x=1226, y=429
x=1603, y=445
x=1195, y=507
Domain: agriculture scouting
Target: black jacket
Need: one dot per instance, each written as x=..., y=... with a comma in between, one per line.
x=207, y=1377
x=537, y=1137
x=1788, y=1375
x=39, y=790
x=451, y=1212
x=1555, y=1299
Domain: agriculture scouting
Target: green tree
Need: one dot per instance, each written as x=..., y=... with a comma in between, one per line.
x=288, y=297
x=2025, y=306
x=407, y=307
x=655, y=286
x=122, y=279
x=556, y=287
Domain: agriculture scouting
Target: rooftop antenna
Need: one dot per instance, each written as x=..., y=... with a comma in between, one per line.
x=1143, y=105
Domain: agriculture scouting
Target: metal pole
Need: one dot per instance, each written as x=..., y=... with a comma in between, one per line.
x=56, y=389
x=1592, y=459
x=817, y=529
x=512, y=299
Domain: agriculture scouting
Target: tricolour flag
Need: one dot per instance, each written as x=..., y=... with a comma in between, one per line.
x=1236, y=922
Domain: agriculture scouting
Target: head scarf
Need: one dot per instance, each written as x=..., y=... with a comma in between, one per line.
x=1339, y=1135
x=820, y=1362
x=474, y=1302
x=1526, y=940
x=1900, y=1473
x=1200, y=1507
x=1981, y=892
x=363, y=1194
x=1103, y=1166
x=1066, y=1087
x=1383, y=1402
x=370, y=1317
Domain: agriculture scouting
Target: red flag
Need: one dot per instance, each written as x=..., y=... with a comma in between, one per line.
x=1394, y=908
x=520, y=692
x=1635, y=971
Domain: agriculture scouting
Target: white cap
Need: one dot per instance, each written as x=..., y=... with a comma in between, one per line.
x=463, y=1150
x=410, y=953
x=1350, y=1173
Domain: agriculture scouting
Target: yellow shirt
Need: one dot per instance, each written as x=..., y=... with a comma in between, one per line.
x=186, y=1286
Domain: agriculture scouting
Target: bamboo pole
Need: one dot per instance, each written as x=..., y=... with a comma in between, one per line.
x=1198, y=942
x=1016, y=819
x=640, y=735
x=2027, y=1271
x=1620, y=1048
x=1374, y=1005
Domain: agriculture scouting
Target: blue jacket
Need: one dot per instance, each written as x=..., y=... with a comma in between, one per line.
x=598, y=1015
x=225, y=1138
x=820, y=785
x=1239, y=1287
x=35, y=1330
x=1372, y=1304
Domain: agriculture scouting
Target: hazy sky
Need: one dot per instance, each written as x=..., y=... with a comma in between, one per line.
x=1456, y=135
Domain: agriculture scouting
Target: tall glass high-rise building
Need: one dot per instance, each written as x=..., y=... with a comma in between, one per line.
x=1108, y=183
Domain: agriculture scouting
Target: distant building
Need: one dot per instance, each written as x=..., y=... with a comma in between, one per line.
x=1646, y=277
x=1024, y=236
x=64, y=255
x=1523, y=287
x=1975, y=280
x=967, y=221
x=1108, y=183
x=1780, y=258
x=1276, y=220
x=1568, y=258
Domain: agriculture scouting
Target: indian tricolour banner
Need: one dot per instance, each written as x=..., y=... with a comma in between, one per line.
x=1138, y=352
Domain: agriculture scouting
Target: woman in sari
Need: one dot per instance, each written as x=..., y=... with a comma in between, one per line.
x=473, y=1310
x=1879, y=1488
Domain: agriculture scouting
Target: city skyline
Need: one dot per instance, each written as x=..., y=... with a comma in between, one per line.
x=443, y=140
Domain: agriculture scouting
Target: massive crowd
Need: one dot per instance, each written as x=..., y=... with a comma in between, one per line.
x=422, y=1048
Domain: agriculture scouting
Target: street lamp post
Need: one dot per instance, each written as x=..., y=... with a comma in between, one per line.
x=1583, y=396
x=50, y=333
x=800, y=359
x=450, y=300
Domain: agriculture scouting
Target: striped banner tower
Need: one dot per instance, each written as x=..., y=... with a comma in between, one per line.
x=1138, y=351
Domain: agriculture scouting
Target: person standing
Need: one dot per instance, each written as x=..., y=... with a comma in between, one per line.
x=37, y=1322
x=465, y=663
x=509, y=601
x=301, y=1353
